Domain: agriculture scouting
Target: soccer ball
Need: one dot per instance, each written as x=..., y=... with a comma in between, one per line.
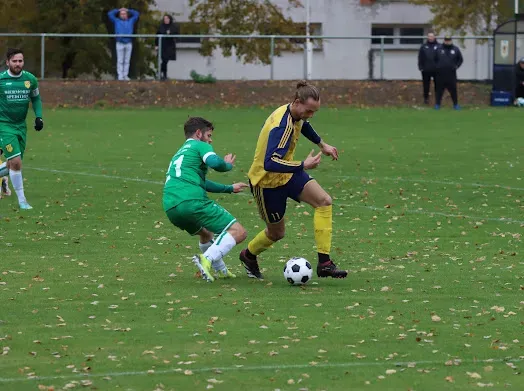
x=519, y=102
x=298, y=271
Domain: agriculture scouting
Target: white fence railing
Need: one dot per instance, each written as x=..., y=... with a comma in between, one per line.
x=377, y=44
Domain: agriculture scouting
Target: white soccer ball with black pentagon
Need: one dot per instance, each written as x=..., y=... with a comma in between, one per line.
x=298, y=271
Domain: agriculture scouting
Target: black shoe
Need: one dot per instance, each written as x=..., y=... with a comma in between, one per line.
x=329, y=269
x=251, y=266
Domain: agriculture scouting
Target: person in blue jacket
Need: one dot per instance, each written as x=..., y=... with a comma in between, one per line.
x=124, y=21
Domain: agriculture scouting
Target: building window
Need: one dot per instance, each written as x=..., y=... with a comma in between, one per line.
x=405, y=31
x=378, y=31
x=413, y=32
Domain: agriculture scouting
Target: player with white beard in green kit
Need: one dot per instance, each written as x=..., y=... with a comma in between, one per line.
x=17, y=88
x=186, y=203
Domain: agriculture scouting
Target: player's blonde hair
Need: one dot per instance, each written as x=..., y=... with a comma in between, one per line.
x=305, y=91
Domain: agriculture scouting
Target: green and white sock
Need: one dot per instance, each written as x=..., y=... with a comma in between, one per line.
x=18, y=184
x=218, y=265
x=219, y=249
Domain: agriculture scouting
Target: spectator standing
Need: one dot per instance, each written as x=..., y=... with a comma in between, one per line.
x=124, y=21
x=519, y=77
x=167, y=27
x=427, y=65
x=448, y=59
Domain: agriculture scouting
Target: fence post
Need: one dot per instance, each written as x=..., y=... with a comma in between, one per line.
x=272, y=55
x=491, y=43
x=305, y=61
x=42, y=56
x=159, y=58
x=382, y=57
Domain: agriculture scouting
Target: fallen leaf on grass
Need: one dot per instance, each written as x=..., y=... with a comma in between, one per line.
x=497, y=308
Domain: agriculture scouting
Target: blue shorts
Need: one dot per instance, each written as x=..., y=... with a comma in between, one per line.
x=271, y=202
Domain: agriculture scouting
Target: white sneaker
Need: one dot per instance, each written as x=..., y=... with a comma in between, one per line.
x=24, y=205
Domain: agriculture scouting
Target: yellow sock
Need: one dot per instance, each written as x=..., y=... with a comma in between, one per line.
x=259, y=243
x=323, y=222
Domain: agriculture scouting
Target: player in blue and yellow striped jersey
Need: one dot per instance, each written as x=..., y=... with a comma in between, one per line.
x=274, y=177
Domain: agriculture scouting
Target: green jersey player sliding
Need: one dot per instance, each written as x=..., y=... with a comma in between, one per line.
x=187, y=205
x=17, y=88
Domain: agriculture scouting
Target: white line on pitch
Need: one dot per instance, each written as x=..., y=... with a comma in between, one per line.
x=429, y=213
x=252, y=368
x=423, y=212
x=92, y=174
x=389, y=179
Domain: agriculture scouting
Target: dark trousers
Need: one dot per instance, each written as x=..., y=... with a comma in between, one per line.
x=446, y=82
x=426, y=82
x=163, y=68
x=519, y=91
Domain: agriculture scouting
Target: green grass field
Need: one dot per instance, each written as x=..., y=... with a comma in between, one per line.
x=97, y=290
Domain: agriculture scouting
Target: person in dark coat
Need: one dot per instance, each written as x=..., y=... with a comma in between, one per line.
x=426, y=64
x=167, y=27
x=448, y=59
x=519, y=77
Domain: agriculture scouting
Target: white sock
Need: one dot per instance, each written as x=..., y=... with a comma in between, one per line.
x=219, y=249
x=18, y=184
x=204, y=246
x=218, y=265
x=3, y=169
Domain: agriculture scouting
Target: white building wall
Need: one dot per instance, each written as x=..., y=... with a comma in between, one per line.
x=339, y=58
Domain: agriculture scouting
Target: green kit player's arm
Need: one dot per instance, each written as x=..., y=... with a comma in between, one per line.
x=217, y=163
x=214, y=187
x=36, y=101
x=37, y=105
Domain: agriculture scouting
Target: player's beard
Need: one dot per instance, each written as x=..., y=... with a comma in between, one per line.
x=15, y=70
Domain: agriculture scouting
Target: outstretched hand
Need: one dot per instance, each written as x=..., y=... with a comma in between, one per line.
x=329, y=150
x=312, y=161
x=238, y=187
x=230, y=158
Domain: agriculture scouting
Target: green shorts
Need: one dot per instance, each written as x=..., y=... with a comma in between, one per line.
x=12, y=145
x=193, y=215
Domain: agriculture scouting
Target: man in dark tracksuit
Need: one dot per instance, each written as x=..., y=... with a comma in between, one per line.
x=448, y=59
x=426, y=64
x=519, y=75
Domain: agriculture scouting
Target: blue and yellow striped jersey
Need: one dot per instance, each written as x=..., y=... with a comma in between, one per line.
x=273, y=164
